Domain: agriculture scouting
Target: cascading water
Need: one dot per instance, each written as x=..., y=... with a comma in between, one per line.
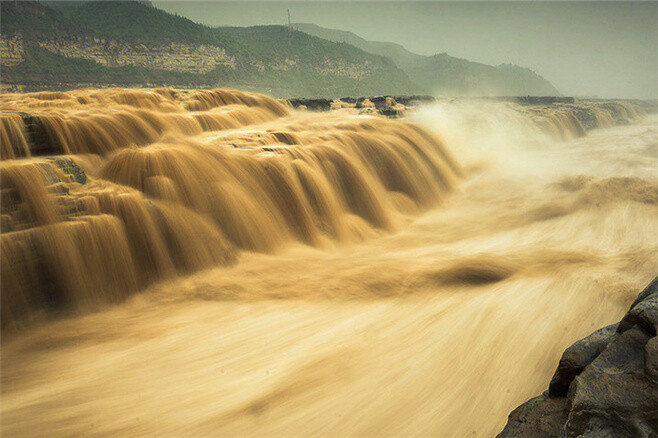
x=219, y=170
x=307, y=273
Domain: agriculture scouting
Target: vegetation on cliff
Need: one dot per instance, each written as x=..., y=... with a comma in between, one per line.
x=60, y=44
x=126, y=43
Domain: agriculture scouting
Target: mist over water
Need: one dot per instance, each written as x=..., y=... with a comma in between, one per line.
x=376, y=277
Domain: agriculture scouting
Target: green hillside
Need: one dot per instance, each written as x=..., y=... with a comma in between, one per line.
x=270, y=59
x=46, y=70
x=31, y=17
x=443, y=74
x=140, y=21
x=62, y=44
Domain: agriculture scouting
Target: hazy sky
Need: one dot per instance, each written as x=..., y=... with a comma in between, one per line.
x=607, y=49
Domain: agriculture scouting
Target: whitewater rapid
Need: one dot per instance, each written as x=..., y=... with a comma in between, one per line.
x=439, y=327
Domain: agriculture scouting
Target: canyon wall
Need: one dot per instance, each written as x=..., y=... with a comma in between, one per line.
x=171, y=56
x=12, y=51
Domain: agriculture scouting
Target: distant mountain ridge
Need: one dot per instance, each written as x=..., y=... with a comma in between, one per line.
x=396, y=52
x=66, y=44
x=442, y=74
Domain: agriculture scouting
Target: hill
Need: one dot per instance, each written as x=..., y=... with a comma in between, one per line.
x=401, y=56
x=133, y=43
x=64, y=44
x=442, y=74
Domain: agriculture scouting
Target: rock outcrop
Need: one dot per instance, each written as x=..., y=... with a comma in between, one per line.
x=605, y=385
x=171, y=56
x=12, y=51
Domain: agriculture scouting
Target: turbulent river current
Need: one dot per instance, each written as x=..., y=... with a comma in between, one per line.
x=215, y=263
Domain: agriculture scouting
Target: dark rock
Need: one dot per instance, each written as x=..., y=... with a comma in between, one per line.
x=649, y=290
x=614, y=395
x=606, y=385
x=543, y=100
x=577, y=357
x=39, y=140
x=651, y=359
x=37, y=137
x=414, y=100
x=379, y=101
x=312, y=104
x=70, y=167
x=644, y=315
x=540, y=417
x=392, y=113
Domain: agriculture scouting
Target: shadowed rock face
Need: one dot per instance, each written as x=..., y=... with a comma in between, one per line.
x=606, y=385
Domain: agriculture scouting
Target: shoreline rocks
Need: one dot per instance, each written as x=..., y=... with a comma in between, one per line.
x=605, y=385
x=588, y=113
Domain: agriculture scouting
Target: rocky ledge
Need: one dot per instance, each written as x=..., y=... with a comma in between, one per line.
x=605, y=385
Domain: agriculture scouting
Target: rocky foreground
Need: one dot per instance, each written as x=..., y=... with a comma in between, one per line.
x=605, y=385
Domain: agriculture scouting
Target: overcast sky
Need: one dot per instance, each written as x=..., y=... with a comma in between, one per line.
x=607, y=49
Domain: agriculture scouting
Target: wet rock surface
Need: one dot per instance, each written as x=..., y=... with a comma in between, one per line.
x=70, y=167
x=389, y=106
x=581, y=115
x=606, y=385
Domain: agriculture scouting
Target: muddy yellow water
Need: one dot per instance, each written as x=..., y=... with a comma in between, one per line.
x=427, y=301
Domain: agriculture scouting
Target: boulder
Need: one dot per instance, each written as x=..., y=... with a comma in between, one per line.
x=577, y=357
x=540, y=417
x=311, y=104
